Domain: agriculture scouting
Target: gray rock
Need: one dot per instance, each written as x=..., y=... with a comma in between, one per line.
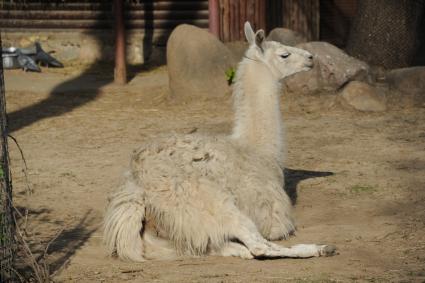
x=332, y=69
x=309, y=82
x=363, y=97
x=286, y=36
x=407, y=80
x=197, y=62
x=237, y=48
x=336, y=67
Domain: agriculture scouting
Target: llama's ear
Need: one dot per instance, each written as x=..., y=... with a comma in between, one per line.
x=259, y=39
x=249, y=33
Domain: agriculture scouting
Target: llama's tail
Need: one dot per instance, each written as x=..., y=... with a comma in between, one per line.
x=123, y=223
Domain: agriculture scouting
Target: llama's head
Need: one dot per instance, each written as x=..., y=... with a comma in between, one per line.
x=282, y=60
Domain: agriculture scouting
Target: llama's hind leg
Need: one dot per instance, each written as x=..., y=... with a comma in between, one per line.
x=158, y=248
x=247, y=233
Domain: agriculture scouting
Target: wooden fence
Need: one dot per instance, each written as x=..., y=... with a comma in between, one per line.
x=97, y=14
x=234, y=13
x=161, y=16
x=302, y=16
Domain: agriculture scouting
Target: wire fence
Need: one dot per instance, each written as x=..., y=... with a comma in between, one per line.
x=7, y=227
x=388, y=33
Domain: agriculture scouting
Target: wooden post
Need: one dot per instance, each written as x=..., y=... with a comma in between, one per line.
x=7, y=223
x=214, y=17
x=120, y=72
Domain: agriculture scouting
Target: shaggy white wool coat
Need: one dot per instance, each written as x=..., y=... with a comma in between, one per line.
x=196, y=194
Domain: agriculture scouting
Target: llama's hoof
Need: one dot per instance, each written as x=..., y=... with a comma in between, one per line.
x=327, y=250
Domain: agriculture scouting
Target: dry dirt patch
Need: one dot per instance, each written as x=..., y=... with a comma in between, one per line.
x=357, y=179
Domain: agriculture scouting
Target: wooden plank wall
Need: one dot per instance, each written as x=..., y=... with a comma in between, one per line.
x=302, y=16
x=162, y=15
x=234, y=13
x=97, y=14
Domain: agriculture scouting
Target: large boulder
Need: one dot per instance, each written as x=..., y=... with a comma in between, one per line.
x=286, y=36
x=309, y=82
x=332, y=69
x=197, y=62
x=363, y=97
x=237, y=48
x=407, y=80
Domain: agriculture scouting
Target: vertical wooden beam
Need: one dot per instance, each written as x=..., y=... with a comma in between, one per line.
x=262, y=15
x=302, y=16
x=235, y=21
x=225, y=26
x=242, y=18
x=250, y=12
x=214, y=17
x=120, y=72
x=234, y=13
x=316, y=19
x=232, y=19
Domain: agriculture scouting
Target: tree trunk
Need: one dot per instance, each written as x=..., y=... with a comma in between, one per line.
x=7, y=224
x=385, y=32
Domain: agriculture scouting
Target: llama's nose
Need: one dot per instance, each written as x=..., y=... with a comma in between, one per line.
x=310, y=56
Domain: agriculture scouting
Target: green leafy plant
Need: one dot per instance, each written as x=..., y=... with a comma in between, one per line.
x=230, y=75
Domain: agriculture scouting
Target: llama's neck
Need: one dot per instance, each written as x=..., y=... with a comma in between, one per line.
x=258, y=121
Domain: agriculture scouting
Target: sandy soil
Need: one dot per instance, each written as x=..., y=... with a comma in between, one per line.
x=358, y=179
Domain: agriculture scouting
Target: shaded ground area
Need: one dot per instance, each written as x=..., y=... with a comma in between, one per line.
x=357, y=179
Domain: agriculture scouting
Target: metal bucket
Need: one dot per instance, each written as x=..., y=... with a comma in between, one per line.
x=10, y=58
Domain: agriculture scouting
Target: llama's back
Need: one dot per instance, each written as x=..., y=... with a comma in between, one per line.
x=199, y=173
x=181, y=157
x=172, y=160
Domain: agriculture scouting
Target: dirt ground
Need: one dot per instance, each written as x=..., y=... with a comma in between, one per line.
x=358, y=179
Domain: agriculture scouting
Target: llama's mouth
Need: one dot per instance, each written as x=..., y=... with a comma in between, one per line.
x=309, y=65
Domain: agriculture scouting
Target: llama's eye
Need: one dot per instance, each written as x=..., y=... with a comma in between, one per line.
x=285, y=55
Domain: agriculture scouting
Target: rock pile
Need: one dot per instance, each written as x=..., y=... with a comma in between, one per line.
x=197, y=62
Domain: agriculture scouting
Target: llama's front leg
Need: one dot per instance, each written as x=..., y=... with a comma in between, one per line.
x=263, y=248
x=248, y=234
x=275, y=221
x=301, y=251
x=282, y=222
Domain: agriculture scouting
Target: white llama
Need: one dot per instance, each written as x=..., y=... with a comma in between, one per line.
x=222, y=195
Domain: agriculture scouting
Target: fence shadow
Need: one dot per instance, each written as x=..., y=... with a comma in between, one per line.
x=69, y=241
x=51, y=255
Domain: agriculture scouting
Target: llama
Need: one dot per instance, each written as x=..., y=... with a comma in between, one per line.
x=190, y=195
